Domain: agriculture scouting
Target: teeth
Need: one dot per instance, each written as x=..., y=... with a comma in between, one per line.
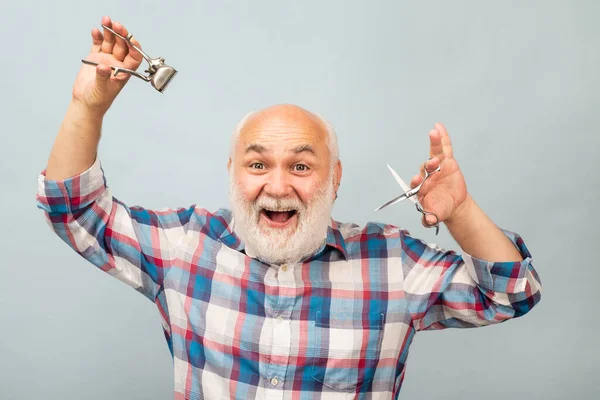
x=290, y=209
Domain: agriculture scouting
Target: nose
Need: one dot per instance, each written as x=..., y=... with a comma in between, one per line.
x=278, y=185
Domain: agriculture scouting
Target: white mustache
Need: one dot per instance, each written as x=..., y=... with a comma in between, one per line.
x=273, y=204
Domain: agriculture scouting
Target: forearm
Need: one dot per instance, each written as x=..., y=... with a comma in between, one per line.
x=76, y=143
x=477, y=235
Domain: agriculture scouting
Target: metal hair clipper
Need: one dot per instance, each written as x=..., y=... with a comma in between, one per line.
x=159, y=73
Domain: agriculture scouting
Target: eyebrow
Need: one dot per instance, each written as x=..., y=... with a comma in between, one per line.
x=259, y=148
x=304, y=148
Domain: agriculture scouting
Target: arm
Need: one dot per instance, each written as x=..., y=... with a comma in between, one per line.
x=494, y=280
x=76, y=144
x=94, y=91
x=131, y=243
x=445, y=195
x=447, y=290
x=477, y=235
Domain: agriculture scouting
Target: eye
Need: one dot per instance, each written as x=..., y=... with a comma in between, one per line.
x=300, y=168
x=257, y=165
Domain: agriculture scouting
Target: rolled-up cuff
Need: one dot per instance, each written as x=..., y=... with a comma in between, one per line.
x=69, y=195
x=502, y=277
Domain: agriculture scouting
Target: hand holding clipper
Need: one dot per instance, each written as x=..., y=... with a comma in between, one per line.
x=159, y=74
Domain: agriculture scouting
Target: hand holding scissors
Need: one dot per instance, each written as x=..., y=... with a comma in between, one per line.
x=440, y=189
x=412, y=193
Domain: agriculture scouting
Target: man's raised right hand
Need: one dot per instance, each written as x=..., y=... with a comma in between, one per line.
x=96, y=87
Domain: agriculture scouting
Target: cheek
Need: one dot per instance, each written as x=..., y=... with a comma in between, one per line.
x=250, y=187
x=307, y=191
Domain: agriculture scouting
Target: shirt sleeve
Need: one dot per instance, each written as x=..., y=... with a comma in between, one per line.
x=448, y=290
x=133, y=244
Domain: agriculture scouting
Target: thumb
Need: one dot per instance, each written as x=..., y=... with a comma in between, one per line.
x=429, y=220
x=102, y=78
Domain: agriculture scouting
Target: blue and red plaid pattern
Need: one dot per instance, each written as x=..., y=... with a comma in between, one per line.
x=338, y=325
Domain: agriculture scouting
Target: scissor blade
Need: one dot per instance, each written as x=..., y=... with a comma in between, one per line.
x=402, y=184
x=392, y=202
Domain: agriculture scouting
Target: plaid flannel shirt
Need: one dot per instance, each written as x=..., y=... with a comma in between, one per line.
x=336, y=326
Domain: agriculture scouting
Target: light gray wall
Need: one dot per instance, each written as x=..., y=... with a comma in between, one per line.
x=515, y=82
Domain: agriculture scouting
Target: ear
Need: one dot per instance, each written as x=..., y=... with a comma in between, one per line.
x=337, y=175
x=229, y=165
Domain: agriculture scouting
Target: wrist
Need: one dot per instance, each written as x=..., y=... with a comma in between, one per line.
x=463, y=212
x=87, y=112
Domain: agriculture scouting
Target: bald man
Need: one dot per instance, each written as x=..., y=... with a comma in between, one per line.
x=272, y=298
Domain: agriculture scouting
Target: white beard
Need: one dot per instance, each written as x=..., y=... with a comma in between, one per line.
x=284, y=245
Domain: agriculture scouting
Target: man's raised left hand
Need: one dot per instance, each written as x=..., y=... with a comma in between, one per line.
x=445, y=192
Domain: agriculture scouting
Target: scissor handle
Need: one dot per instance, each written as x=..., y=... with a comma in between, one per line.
x=416, y=189
x=424, y=219
x=427, y=173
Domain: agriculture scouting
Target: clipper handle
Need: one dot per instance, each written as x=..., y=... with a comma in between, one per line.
x=120, y=69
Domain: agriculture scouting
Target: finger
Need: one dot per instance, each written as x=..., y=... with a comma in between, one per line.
x=134, y=58
x=437, y=203
x=431, y=164
x=435, y=143
x=429, y=220
x=109, y=38
x=97, y=39
x=446, y=142
x=102, y=77
x=121, y=48
x=416, y=180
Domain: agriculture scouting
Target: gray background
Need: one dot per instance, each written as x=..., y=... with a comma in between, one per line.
x=516, y=83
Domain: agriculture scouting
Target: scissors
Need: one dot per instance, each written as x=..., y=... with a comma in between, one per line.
x=411, y=195
x=159, y=73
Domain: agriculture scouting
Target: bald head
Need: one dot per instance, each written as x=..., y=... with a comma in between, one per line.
x=284, y=121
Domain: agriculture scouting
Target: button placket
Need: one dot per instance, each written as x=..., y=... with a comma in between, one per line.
x=281, y=330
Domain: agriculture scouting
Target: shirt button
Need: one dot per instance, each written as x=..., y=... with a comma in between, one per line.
x=274, y=381
x=284, y=267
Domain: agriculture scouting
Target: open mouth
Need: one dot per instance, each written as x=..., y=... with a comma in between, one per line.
x=278, y=218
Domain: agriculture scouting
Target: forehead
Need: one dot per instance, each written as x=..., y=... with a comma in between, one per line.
x=283, y=129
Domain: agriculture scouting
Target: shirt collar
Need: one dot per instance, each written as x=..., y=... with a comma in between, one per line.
x=333, y=240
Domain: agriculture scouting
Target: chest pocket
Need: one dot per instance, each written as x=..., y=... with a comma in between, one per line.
x=346, y=349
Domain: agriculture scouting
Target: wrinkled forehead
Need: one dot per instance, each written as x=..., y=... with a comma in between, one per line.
x=283, y=129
